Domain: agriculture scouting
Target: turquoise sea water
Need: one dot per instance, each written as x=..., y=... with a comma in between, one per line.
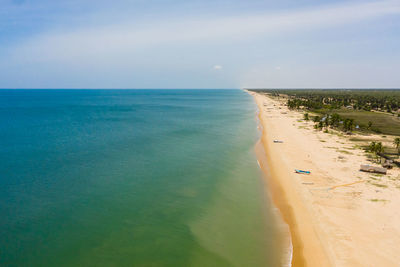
x=132, y=178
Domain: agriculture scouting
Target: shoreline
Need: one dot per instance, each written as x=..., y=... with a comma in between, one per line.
x=337, y=215
x=276, y=188
x=286, y=238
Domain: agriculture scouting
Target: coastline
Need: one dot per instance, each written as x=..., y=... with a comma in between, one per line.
x=333, y=216
x=305, y=246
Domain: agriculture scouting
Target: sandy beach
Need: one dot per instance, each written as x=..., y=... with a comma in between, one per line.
x=337, y=215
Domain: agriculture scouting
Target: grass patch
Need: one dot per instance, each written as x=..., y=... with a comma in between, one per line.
x=356, y=139
x=303, y=127
x=336, y=133
x=391, y=150
x=344, y=152
x=381, y=122
x=377, y=200
x=379, y=185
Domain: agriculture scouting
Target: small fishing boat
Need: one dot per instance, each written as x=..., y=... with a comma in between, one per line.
x=302, y=172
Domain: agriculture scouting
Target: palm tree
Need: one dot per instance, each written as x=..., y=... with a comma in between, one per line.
x=320, y=125
x=351, y=125
x=372, y=147
x=326, y=121
x=396, y=143
x=379, y=150
x=306, y=117
x=334, y=119
x=348, y=125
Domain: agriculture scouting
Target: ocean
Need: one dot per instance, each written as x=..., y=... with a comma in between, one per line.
x=132, y=178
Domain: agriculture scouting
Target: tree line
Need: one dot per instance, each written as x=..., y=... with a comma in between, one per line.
x=386, y=100
x=332, y=121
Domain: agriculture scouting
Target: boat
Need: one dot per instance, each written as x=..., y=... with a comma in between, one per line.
x=302, y=172
x=278, y=141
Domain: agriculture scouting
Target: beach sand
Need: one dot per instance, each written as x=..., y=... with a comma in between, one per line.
x=337, y=215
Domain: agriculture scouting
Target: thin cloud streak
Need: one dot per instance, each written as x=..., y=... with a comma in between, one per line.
x=124, y=38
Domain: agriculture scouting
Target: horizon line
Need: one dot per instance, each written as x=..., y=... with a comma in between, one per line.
x=244, y=88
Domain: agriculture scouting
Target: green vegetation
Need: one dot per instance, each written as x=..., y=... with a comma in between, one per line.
x=378, y=200
x=345, y=152
x=380, y=122
x=342, y=112
x=377, y=149
x=380, y=100
x=379, y=185
x=362, y=110
x=396, y=143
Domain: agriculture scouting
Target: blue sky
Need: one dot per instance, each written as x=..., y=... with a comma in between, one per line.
x=199, y=44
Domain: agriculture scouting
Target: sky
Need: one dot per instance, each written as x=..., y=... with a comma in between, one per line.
x=199, y=44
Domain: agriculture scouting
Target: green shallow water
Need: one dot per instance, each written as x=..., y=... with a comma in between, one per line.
x=132, y=178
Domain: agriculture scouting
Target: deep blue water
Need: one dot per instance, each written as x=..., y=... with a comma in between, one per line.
x=132, y=178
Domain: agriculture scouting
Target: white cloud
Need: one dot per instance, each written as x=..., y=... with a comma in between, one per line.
x=175, y=49
x=123, y=38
